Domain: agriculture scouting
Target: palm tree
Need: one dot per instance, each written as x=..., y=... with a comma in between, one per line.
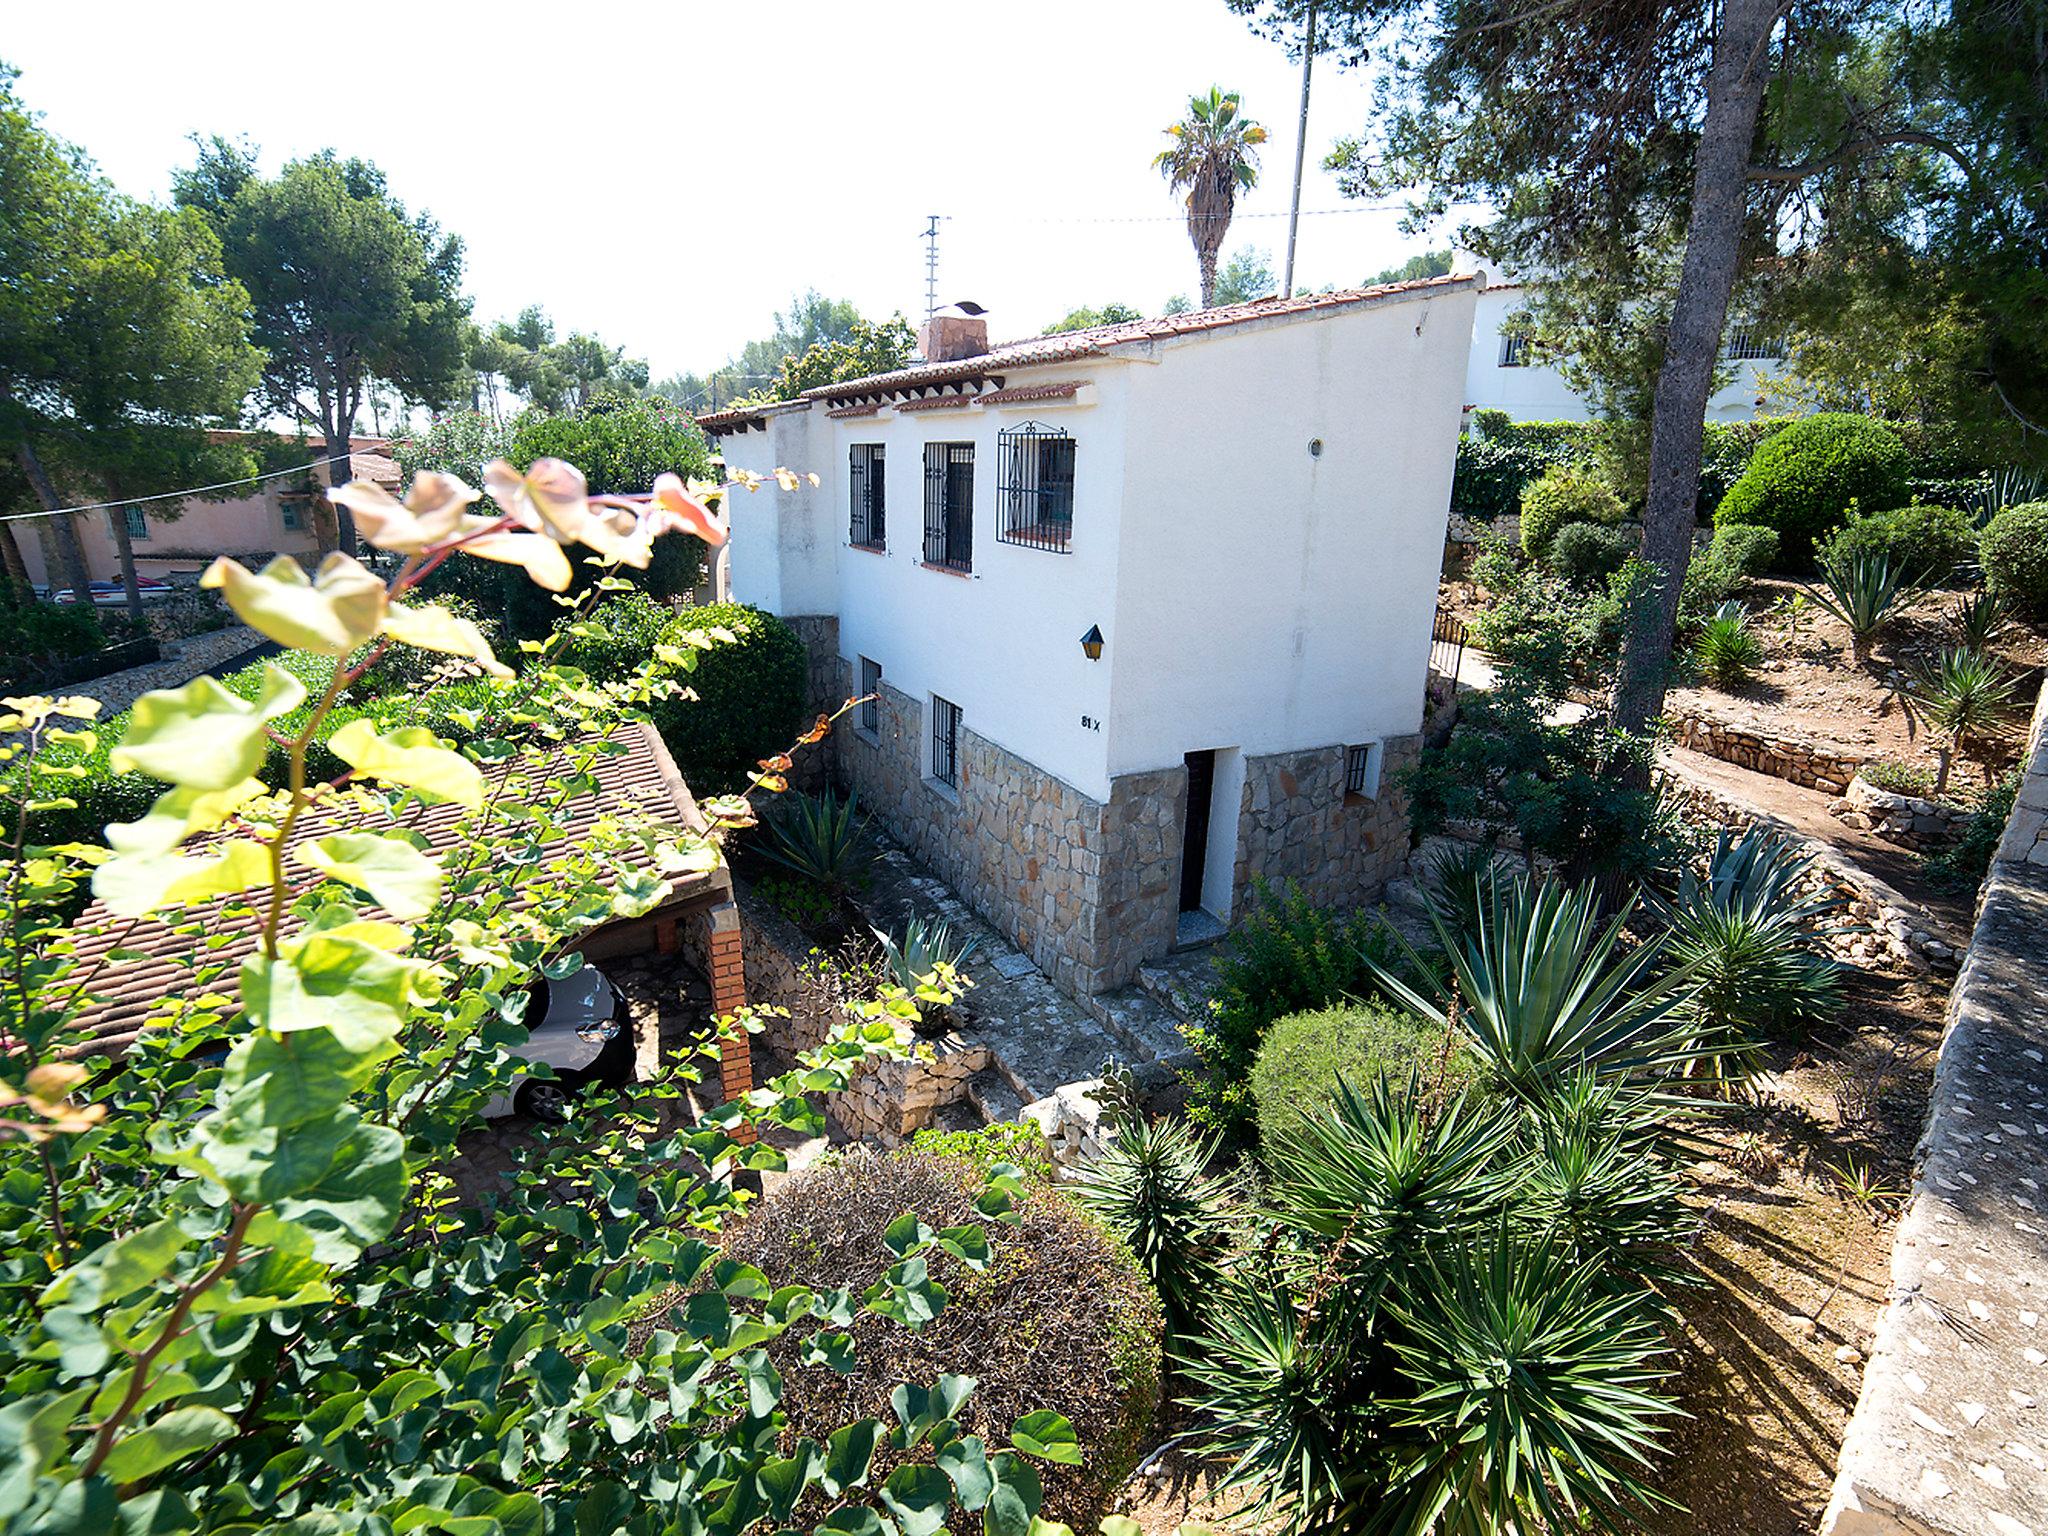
x=1961, y=694
x=1212, y=158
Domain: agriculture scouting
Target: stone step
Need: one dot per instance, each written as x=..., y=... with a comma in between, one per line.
x=1143, y=1028
x=991, y=1093
x=1170, y=990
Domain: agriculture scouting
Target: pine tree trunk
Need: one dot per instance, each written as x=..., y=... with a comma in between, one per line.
x=124, y=548
x=339, y=472
x=1692, y=347
x=61, y=531
x=15, y=567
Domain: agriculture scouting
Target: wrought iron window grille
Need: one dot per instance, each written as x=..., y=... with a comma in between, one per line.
x=1035, y=487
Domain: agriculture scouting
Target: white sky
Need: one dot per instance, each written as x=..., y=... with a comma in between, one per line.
x=667, y=175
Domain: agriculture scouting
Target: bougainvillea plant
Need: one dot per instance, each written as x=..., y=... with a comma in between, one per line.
x=242, y=1287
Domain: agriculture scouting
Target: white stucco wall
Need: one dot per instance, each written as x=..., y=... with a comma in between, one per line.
x=781, y=556
x=1274, y=600
x=1539, y=392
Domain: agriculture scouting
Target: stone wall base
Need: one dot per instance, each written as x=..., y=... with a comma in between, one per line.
x=1782, y=757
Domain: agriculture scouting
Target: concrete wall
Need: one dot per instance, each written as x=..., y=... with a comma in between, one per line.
x=249, y=527
x=1950, y=1434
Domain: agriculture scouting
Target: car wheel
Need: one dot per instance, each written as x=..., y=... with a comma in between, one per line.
x=546, y=1100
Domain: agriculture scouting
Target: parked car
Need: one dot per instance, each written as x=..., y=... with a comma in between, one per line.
x=111, y=594
x=578, y=1026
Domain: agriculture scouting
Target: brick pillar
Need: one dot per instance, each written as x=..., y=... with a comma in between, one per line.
x=728, y=995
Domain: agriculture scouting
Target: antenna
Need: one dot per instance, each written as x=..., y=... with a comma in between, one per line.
x=931, y=266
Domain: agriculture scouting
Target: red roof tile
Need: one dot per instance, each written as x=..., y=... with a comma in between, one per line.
x=1021, y=394
x=641, y=784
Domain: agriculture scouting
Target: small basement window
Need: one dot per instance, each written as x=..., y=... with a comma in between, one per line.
x=945, y=742
x=869, y=721
x=1035, y=487
x=867, y=524
x=1362, y=772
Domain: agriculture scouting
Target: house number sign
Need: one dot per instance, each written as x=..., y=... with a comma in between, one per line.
x=1090, y=723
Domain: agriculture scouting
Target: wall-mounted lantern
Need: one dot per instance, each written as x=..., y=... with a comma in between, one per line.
x=1091, y=643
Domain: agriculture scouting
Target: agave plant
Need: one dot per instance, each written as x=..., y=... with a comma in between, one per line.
x=1545, y=989
x=2009, y=487
x=1151, y=1186
x=1962, y=694
x=1747, y=931
x=821, y=837
x=1727, y=650
x=1865, y=592
x=925, y=952
x=1980, y=618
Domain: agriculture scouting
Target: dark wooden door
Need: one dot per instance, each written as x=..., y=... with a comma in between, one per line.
x=1194, y=850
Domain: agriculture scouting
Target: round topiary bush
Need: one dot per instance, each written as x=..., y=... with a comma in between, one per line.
x=1586, y=554
x=1305, y=1053
x=1744, y=550
x=1061, y=1318
x=1802, y=481
x=1562, y=494
x=2013, y=550
x=1926, y=542
x=750, y=697
x=616, y=638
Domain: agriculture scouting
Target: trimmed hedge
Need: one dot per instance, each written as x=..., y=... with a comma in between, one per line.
x=1499, y=458
x=1925, y=541
x=1805, y=479
x=1586, y=554
x=1306, y=1053
x=1062, y=1318
x=37, y=638
x=1564, y=494
x=751, y=691
x=2013, y=550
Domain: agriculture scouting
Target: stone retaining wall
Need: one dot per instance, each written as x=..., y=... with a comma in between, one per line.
x=1296, y=823
x=1782, y=757
x=1908, y=820
x=1950, y=1434
x=824, y=692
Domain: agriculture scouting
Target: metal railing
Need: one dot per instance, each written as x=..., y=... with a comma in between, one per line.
x=1446, y=644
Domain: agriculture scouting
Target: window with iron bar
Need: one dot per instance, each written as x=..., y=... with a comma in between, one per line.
x=867, y=524
x=292, y=511
x=1514, y=351
x=1035, y=487
x=1362, y=772
x=1748, y=346
x=945, y=742
x=137, y=521
x=869, y=720
x=949, y=505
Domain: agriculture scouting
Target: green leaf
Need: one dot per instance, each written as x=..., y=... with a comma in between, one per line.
x=305, y=1073
x=965, y=1462
x=1047, y=1435
x=434, y=628
x=331, y=614
x=830, y=1349
x=764, y=1382
x=918, y=1497
x=201, y=736
x=393, y=873
x=849, y=1452
x=905, y=1234
x=180, y=1433
x=324, y=980
x=413, y=758
x=358, y=1200
x=133, y=885
x=122, y=1266
x=1014, y=1501
x=968, y=1244
x=854, y=1520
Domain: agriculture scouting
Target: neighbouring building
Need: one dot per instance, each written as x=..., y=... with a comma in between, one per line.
x=288, y=515
x=1506, y=374
x=1145, y=609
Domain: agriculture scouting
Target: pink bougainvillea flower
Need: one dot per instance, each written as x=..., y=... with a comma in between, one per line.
x=675, y=510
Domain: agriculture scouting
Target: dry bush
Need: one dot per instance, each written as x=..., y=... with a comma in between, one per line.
x=1060, y=1319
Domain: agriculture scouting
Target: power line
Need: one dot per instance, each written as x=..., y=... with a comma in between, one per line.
x=136, y=501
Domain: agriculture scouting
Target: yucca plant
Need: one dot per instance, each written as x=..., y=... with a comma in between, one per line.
x=1151, y=1186
x=1962, y=695
x=1533, y=1396
x=1726, y=649
x=821, y=837
x=1980, y=618
x=1865, y=592
x=926, y=950
x=1546, y=989
x=1597, y=1176
x=1747, y=934
x=2009, y=487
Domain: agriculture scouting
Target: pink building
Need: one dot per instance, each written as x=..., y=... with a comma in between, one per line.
x=288, y=515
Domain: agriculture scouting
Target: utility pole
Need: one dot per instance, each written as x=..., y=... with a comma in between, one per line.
x=931, y=267
x=1308, y=59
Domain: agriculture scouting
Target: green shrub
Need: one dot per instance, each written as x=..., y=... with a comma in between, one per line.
x=1726, y=648
x=1563, y=494
x=1287, y=955
x=1803, y=481
x=1019, y=1143
x=1962, y=865
x=1726, y=447
x=1897, y=778
x=1586, y=554
x=1929, y=541
x=1499, y=457
x=2013, y=550
x=750, y=698
x=35, y=636
x=1061, y=1318
x=617, y=637
x=1305, y=1054
x=820, y=837
x=1744, y=548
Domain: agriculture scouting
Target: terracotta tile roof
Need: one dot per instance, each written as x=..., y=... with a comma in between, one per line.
x=1102, y=340
x=1021, y=394
x=845, y=411
x=640, y=784
x=952, y=402
x=1097, y=341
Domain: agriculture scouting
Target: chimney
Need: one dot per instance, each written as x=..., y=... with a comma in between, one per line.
x=957, y=331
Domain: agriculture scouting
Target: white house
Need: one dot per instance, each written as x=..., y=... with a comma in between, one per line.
x=1146, y=607
x=1503, y=374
